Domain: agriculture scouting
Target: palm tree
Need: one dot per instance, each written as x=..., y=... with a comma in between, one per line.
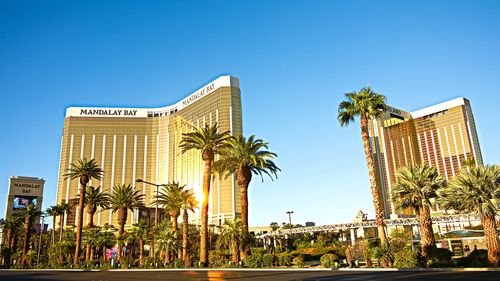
x=170, y=199
x=9, y=229
x=124, y=198
x=415, y=189
x=85, y=171
x=209, y=142
x=243, y=158
x=166, y=241
x=475, y=190
x=53, y=211
x=188, y=203
x=367, y=105
x=231, y=236
x=141, y=230
x=91, y=239
x=94, y=198
x=106, y=239
x=63, y=209
x=29, y=214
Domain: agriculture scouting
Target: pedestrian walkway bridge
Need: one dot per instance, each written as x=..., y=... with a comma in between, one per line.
x=357, y=224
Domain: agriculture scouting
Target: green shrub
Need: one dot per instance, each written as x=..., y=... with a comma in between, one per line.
x=406, y=258
x=328, y=260
x=284, y=259
x=259, y=251
x=217, y=261
x=178, y=263
x=268, y=260
x=298, y=261
x=253, y=261
x=440, y=257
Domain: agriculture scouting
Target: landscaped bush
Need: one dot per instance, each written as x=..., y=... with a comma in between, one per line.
x=406, y=258
x=178, y=263
x=268, y=260
x=253, y=261
x=328, y=260
x=440, y=257
x=284, y=259
x=217, y=261
x=298, y=261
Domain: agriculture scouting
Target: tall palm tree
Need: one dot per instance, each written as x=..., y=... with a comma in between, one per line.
x=231, y=237
x=141, y=230
x=10, y=227
x=170, y=199
x=209, y=142
x=124, y=198
x=29, y=214
x=474, y=190
x=63, y=209
x=243, y=157
x=415, y=190
x=53, y=211
x=367, y=105
x=94, y=198
x=188, y=203
x=85, y=170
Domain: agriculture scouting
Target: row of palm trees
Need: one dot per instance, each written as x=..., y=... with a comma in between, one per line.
x=474, y=190
x=222, y=154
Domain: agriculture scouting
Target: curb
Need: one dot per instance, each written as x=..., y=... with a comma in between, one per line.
x=444, y=269
x=178, y=269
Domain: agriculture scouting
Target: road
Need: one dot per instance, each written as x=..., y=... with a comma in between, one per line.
x=242, y=275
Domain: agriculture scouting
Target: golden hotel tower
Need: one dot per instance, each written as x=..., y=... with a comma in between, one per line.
x=442, y=135
x=143, y=143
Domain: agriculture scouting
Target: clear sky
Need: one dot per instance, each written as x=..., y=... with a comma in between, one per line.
x=295, y=60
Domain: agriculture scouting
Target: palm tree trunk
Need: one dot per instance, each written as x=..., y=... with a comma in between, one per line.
x=91, y=253
x=426, y=233
x=492, y=241
x=204, y=214
x=379, y=211
x=141, y=251
x=61, y=221
x=234, y=253
x=79, y=224
x=53, y=229
x=185, y=225
x=244, y=177
x=122, y=218
x=27, y=226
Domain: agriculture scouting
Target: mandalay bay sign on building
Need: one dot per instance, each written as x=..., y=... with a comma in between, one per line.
x=143, y=143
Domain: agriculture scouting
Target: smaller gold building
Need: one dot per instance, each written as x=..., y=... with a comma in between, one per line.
x=442, y=135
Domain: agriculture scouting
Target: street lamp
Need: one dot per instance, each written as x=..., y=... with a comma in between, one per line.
x=157, y=186
x=40, y=240
x=290, y=219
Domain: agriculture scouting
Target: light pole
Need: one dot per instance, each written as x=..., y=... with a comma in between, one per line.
x=156, y=209
x=157, y=186
x=40, y=241
x=290, y=219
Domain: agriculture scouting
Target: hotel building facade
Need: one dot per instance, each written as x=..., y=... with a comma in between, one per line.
x=442, y=136
x=143, y=143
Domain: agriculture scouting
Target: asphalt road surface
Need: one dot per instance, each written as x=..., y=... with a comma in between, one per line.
x=242, y=275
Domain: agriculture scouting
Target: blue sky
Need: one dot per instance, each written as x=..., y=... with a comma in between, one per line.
x=295, y=60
